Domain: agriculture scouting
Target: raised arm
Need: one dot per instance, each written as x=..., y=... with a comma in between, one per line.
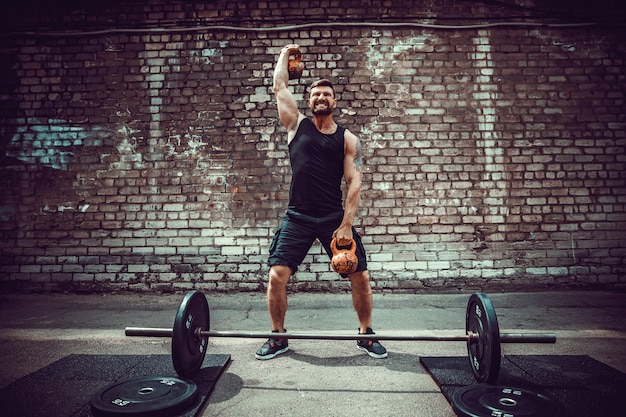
x=287, y=106
x=352, y=171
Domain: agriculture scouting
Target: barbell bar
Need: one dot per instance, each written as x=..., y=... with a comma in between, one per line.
x=416, y=337
x=191, y=333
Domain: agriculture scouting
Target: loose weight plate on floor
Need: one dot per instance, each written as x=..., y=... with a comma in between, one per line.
x=155, y=396
x=188, y=348
x=484, y=354
x=484, y=400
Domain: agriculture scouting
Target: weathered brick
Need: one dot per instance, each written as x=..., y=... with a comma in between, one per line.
x=478, y=149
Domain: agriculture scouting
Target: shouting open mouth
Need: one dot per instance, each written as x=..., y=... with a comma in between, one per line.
x=321, y=107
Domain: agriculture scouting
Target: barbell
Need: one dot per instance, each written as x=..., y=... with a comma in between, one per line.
x=191, y=333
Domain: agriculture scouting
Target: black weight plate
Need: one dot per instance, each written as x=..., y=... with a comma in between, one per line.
x=483, y=400
x=144, y=396
x=189, y=350
x=484, y=354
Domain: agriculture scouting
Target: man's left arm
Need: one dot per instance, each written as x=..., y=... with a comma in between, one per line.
x=352, y=171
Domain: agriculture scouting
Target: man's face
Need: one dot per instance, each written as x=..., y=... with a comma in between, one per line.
x=322, y=101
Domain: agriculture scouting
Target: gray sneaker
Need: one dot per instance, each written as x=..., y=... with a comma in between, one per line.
x=272, y=348
x=372, y=347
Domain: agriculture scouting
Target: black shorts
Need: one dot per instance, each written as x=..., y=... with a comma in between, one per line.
x=297, y=233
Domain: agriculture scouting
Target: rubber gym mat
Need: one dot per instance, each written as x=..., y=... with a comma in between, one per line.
x=584, y=386
x=64, y=388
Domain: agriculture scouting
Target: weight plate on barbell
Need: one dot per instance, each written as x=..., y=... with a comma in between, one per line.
x=483, y=400
x=484, y=351
x=144, y=396
x=188, y=349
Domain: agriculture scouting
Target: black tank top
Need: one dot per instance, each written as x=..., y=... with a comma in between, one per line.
x=317, y=170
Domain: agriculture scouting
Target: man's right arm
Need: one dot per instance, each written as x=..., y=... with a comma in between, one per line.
x=287, y=106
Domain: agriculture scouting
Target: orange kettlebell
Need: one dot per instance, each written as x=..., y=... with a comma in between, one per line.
x=294, y=66
x=344, y=261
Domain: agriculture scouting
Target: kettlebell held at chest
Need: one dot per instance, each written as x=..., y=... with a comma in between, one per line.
x=294, y=66
x=344, y=261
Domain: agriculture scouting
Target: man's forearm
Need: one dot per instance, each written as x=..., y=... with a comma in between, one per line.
x=281, y=72
x=351, y=205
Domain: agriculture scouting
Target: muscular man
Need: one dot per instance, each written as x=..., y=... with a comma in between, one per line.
x=322, y=153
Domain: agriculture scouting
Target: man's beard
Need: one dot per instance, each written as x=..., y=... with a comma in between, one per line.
x=322, y=111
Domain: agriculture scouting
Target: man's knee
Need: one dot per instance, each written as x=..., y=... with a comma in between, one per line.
x=279, y=275
x=359, y=276
x=360, y=281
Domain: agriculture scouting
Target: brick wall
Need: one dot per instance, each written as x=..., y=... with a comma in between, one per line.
x=141, y=150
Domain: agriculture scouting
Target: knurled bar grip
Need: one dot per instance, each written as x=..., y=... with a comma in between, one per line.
x=504, y=337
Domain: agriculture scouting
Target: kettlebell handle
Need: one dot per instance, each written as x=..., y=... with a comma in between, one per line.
x=333, y=246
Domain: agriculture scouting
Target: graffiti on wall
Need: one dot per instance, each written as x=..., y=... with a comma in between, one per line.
x=51, y=142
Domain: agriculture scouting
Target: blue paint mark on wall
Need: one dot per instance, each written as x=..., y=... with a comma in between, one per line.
x=50, y=142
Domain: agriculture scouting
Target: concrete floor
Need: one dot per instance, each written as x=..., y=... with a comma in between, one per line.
x=330, y=378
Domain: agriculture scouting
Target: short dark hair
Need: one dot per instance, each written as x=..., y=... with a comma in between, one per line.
x=322, y=83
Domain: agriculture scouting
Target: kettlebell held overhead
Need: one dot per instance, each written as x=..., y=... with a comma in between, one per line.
x=295, y=66
x=344, y=261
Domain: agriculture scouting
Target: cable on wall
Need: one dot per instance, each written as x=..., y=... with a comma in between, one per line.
x=395, y=25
